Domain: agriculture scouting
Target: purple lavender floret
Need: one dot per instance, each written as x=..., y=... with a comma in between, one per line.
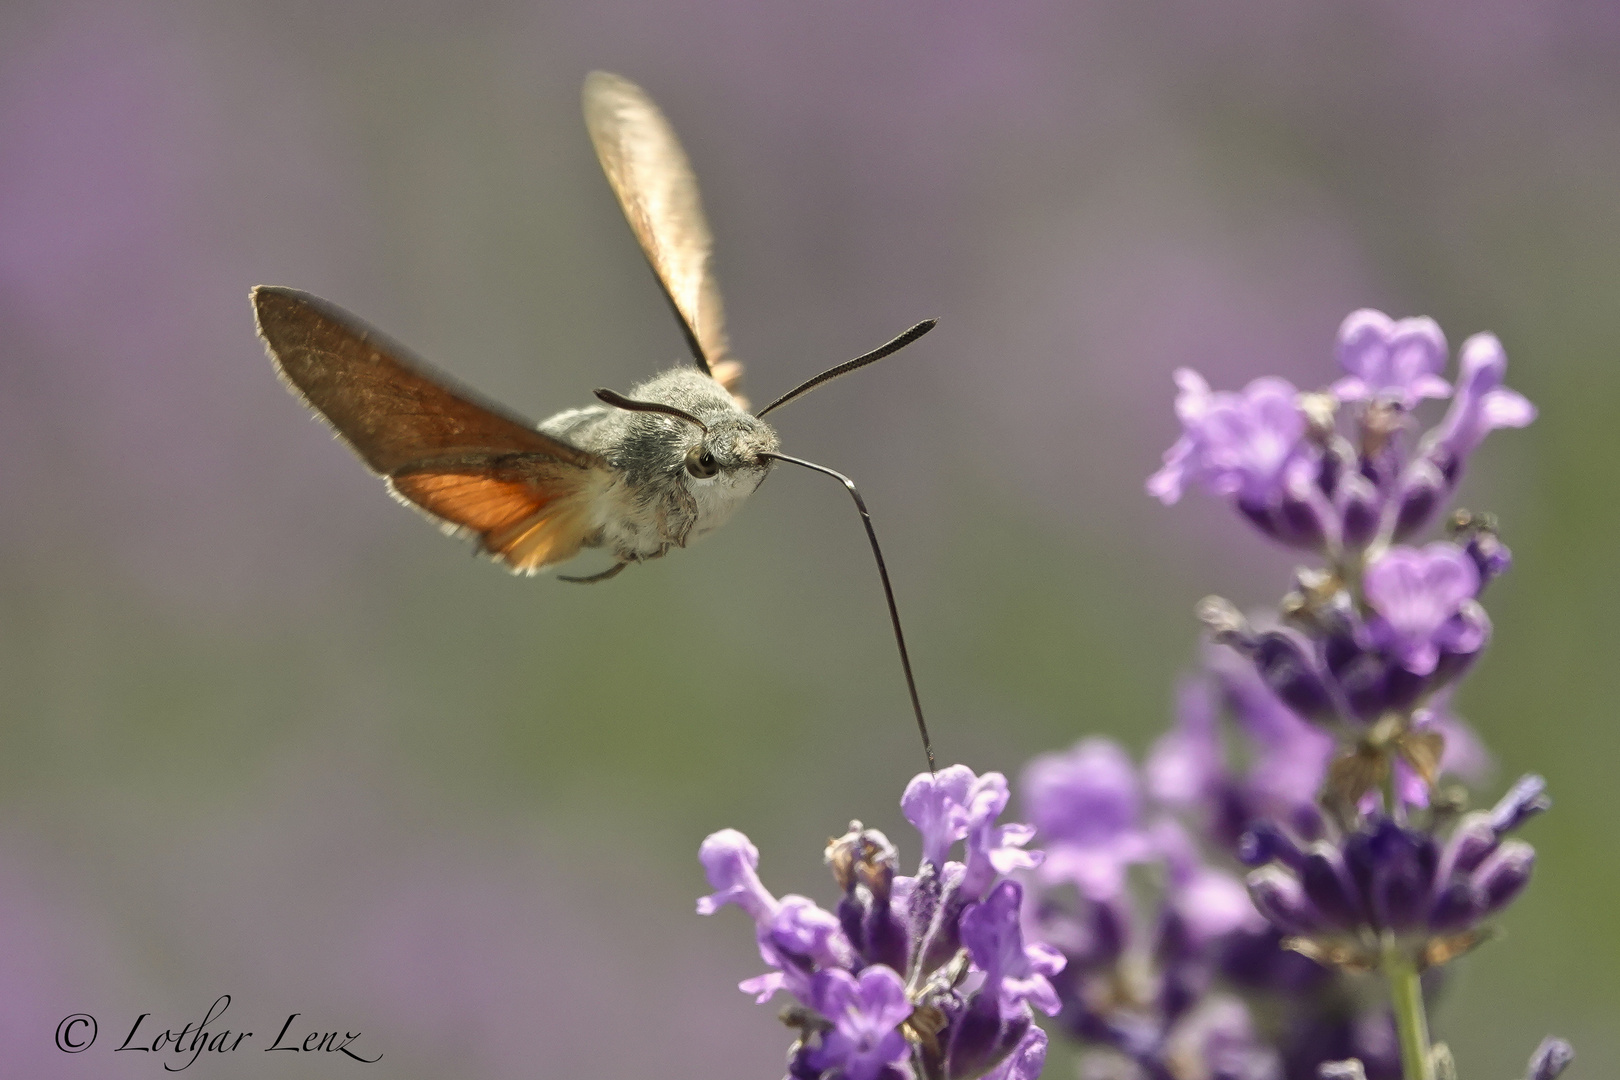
x=1026, y=1060
x=1481, y=406
x=920, y=978
x=991, y=849
x=865, y=1012
x=1336, y=899
x=936, y=805
x=1398, y=361
x=1250, y=447
x=1086, y=805
x=1423, y=600
x=998, y=1019
x=1232, y=444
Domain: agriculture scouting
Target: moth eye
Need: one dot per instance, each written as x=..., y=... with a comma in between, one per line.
x=700, y=463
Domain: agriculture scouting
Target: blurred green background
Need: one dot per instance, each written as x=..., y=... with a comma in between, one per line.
x=267, y=734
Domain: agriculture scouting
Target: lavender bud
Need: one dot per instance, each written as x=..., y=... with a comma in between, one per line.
x=1524, y=800
x=1326, y=883
x=1264, y=518
x=1363, y=676
x=981, y=1038
x=1551, y=1058
x=1110, y=929
x=1279, y=897
x=1505, y=874
x=1284, y=662
x=1458, y=907
x=1306, y=517
x=1359, y=506
x=1472, y=841
x=1489, y=554
x=1265, y=842
x=1406, y=862
x=1418, y=494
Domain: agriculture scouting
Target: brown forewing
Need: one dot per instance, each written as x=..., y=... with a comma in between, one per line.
x=653, y=180
x=464, y=461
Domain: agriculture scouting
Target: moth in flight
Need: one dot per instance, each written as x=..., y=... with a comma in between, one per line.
x=636, y=474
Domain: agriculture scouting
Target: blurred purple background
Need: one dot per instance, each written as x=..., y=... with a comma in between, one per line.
x=267, y=735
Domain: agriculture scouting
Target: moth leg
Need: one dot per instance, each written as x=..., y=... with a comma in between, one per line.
x=676, y=516
x=611, y=571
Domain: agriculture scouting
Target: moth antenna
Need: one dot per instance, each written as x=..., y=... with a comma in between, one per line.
x=850, y=365
x=619, y=401
x=871, y=534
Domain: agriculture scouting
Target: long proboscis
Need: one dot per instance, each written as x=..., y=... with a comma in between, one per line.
x=848, y=366
x=883, y=571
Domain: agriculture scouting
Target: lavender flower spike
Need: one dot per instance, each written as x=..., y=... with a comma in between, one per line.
x=1347, y=786
x=1424, y=600
x=914, y=978
x=1396, y=361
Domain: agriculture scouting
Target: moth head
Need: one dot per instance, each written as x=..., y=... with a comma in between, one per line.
x=728, y=443
x=733, y=443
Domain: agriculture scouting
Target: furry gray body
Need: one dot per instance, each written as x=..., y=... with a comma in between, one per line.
x=654, y=503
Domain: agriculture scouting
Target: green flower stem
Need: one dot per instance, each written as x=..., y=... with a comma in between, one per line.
x=1411, y=1022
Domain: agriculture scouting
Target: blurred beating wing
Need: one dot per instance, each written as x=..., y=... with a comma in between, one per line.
x=467, y=463
x=648, y=171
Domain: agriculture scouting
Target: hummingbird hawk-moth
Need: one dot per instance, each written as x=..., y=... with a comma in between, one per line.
x=637, y=474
